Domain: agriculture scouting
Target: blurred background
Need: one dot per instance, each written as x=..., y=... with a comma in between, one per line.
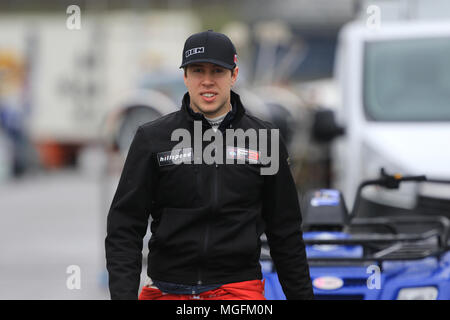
x=353, y=86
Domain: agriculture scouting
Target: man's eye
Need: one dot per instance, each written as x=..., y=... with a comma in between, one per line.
x=197, y=70
x=219, y=70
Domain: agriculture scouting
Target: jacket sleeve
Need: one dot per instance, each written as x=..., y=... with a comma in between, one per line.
x=128, y=220
x=281, y=212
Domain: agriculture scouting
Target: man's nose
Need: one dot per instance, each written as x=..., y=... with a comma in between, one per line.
x=208, y=78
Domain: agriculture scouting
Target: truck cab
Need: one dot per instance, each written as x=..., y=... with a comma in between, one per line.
x=394, y=86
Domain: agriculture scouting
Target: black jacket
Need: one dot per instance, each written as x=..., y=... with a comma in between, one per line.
x=207, y=219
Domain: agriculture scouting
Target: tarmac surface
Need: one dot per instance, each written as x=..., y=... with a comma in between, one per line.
x=50, y=222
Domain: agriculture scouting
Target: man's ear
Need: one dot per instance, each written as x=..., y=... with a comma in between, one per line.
x=185, y=75
x=234, y=75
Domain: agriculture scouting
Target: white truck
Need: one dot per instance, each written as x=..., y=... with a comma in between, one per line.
x=79, y=82
x=394, y=86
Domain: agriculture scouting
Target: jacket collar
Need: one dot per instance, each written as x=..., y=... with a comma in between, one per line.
x=232, y=117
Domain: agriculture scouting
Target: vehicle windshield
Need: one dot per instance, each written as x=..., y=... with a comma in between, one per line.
x=407, y=80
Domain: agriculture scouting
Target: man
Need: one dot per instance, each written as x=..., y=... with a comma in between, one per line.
x=207, y=217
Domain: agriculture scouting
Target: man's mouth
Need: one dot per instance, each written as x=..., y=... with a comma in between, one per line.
x=209, y=96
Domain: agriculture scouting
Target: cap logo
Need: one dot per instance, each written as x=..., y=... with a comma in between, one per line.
x=194, y=51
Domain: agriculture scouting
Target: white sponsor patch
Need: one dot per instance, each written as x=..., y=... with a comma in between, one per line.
x=249, y=155
x=328, y=283
x=194, y=51
x=175, y=156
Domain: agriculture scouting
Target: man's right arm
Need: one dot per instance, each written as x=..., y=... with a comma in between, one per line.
x=128, y=220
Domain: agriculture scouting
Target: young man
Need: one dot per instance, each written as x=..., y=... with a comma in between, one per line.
x=207, y=217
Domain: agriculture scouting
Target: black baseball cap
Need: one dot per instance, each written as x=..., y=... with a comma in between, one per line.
x=209, y=46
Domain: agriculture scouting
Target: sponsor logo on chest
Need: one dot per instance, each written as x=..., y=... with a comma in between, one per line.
x=175, y=156
x=243, y=154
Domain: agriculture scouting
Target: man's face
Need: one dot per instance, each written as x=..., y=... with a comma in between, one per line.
x=209, y=88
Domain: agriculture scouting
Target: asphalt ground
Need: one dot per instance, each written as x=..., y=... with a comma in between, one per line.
x=50, y=222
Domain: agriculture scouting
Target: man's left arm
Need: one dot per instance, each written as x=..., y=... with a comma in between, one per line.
x=281, y=212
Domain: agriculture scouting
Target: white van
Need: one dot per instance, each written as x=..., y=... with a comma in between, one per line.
x=394, y=83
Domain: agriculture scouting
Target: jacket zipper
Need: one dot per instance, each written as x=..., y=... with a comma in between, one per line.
x=214, y=209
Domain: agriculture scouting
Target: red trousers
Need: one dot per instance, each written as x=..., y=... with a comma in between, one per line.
x=246, y=290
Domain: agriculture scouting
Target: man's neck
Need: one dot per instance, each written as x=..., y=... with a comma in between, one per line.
x=215, y=115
